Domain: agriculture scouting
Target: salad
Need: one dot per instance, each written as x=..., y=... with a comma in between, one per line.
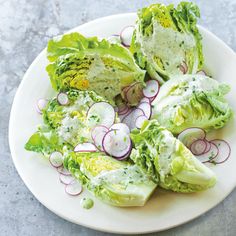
x=133, y=111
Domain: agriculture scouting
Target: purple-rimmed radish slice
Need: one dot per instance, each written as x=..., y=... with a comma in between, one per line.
x=210, y=155
x=41, y=104
x=208, y=146
x=56, y=159
x=139, y=121
x=97, y=134
x=85, y=147
x=62, y=170
x=126, y=35
x=101, y=113
x=124, y=157
x=189, y=135
x=134, y=94
x=146, y=108
x=66, y=179
x=224, y=151
x=117, y=143
x=145, y=99
x=74, y=188
x=198, y=147
x=98, y=129
x=129, y=119
x=121, y=126
x=63, y=99
x=124, y=111
x=115, y=38
x=201, y=72
x=152, y=89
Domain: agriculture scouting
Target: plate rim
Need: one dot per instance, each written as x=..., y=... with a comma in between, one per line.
x=14, y=154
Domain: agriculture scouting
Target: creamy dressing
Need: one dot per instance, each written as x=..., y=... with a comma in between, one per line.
x=167, y=148
x=169, y=45
x=185, y=85
x=86, y=203
x=71, y=127
x=125, y=176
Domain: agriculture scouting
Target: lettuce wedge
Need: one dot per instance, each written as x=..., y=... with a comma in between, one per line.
x=166, y=40
x=90, y=64
x=114, y=182
x=192, y=101
x=167, y=161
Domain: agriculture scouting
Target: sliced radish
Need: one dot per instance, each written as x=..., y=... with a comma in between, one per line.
x=124, y=111
x=126, y=35
x=210, y=155
x=115, y=38
x=97, y=134
x=63, y=99
x=134, y=94
x=201, y=72
x=62, y=170
x=145, y=99
x=85, y=147
x=152, y=88
x=224, y=150
x=102, y=113
x=198, y=147
x=208, y=146
x=139, y=121
x=66, y=179
x=56, y=159
x=124, y=157
x=117, y=143
x=98, y=129
x=189, y=135
x=41, y=104
x=129, y=119
x=121, y=126
x=74, y=188
x=146, y=108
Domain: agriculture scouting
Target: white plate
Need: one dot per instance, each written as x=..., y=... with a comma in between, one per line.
x=165, y=209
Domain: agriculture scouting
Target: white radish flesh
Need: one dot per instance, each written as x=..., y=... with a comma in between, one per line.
x=224, y=151
x=198, y=147
x=56, y=159
x=121, y=126
x=129, y=119
x=139, y=121
x=66, y=179
x=41, y=104
x=210, y=155
x=126, y=35
x=189, y=135
x=146, y=108
x=63, y=170
x=74, y=188
x=152, y=89
x=63, y=99
x=98, y=134
x=117, y=143
x=101, y=113
x=85, y=147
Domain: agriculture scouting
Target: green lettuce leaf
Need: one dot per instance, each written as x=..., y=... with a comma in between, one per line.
x=45, y=141
x=166, y=39
x=167, y=161
x=192, y=101
x=90, y=64
x=114, y=182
